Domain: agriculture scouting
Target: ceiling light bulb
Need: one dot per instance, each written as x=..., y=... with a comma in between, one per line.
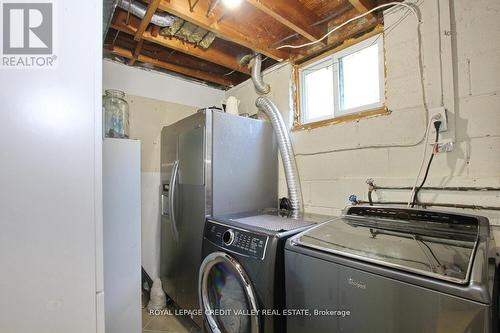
x=232, y=3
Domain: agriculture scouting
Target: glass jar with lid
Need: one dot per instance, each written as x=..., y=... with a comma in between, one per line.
x=116, y=114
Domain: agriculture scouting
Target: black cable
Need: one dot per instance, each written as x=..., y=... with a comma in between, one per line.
x=437, y=124
x=371, y=188
x=423, y=181
x=370, y=197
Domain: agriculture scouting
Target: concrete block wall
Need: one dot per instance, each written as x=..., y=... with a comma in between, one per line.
x=335, y=161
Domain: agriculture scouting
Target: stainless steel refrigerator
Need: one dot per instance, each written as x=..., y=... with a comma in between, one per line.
x=211, y=163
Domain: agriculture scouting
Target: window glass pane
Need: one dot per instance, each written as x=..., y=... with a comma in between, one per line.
x=318, y=90
x=359, y=79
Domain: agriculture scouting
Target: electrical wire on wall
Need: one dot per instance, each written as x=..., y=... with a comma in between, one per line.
x=424, y=154
x=437, y=124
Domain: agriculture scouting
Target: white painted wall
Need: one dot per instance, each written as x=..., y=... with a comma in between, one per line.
x=329, y=178
x=50, y=193
x=163, y=87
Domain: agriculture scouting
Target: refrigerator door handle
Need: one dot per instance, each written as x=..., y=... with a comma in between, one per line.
x=171, y=197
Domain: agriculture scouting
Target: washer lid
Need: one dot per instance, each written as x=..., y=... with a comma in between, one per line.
x=439, y=245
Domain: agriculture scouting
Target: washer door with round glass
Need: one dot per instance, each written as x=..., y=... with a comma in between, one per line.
x=227, y=297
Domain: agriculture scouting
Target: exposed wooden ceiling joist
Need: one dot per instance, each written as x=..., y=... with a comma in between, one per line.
x=362, y=6
x=241, y=33
x=152, y=7
x=354, y=28
x=292, y=14
x=202, y=75
x=212, y=54
x=256, y=25
x=349, y=31
x=137, y=52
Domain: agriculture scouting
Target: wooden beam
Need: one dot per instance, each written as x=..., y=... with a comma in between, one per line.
x=205, y=76
x=137, y=52
x=212, y=54
x=243, y=34
x=355, y=29
x=155, y=31
x=153, y=5
x=292, y=14
x=362, y=6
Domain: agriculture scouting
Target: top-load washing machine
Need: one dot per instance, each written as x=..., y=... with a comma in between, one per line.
x=241, y=282
x=393, y=270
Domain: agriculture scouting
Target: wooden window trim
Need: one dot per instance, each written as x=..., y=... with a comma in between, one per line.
x=342, y=119
x=297, y=123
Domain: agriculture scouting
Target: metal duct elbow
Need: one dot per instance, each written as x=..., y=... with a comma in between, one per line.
x=286, y=151
x=139, y=10
x=261, y=87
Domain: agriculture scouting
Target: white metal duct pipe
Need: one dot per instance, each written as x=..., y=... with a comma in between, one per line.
x=286, y=151
x=261, y=87
x=139, y=10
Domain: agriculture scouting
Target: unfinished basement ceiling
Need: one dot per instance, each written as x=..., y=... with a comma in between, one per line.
x=254, y=26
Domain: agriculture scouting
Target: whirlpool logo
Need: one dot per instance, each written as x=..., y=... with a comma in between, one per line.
x=27, y=34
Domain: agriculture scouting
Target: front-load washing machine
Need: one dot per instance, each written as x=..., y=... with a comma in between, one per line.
x=241, y=281
x=393, y=270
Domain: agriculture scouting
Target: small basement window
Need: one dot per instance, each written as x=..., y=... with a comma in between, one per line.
x=349, y=82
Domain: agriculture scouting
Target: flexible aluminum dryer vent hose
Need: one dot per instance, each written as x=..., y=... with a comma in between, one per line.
x=139, y=10
x=286, y=151
x=261, y=87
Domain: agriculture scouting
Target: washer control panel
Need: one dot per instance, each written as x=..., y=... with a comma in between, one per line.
x=237, y=240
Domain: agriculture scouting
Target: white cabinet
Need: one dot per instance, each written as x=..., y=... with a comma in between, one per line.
x=122, y=235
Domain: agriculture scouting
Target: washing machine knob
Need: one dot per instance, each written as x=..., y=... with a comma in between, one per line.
x=228, y=237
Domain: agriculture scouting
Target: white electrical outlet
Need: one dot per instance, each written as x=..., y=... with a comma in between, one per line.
x=439, y=114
